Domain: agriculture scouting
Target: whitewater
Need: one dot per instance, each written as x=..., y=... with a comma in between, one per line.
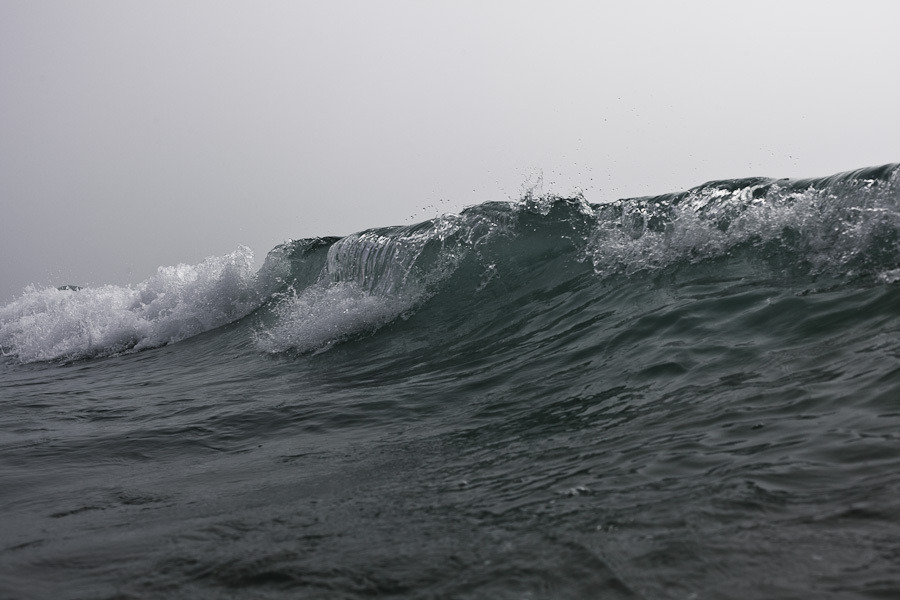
x=691, y=395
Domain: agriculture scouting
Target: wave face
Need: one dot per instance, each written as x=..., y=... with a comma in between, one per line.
x=692, y=394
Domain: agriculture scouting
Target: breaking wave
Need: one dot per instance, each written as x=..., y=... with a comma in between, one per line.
x=313, y=293
x=178, y=302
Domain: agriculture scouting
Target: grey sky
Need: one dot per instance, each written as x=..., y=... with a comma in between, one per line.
x=139, y=134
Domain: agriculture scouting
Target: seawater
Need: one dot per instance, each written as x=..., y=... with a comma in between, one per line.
x=693, y=395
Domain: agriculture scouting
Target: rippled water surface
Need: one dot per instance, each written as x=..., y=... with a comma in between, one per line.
x=690, y=396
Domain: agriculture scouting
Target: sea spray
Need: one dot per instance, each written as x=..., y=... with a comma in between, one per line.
x=176, y=303
x=844, y=225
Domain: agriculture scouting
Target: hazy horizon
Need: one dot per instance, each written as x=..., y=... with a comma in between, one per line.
x=137, y=135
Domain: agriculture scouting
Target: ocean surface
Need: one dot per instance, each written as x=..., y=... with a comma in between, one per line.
x=693, y=395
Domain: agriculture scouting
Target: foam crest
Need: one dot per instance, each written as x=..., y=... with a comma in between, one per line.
x=844, y=225
x=176, y=303
x=323, y=315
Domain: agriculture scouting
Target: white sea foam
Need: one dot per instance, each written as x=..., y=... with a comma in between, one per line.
x=327, y=313
x=833, y=230
x=176, y=303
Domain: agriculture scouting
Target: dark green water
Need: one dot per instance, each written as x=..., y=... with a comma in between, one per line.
x=689, y=396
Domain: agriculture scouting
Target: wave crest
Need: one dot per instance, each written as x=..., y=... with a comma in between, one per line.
x=845, y=225
x=320, y=291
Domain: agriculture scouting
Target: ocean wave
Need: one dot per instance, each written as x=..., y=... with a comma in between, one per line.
x=319, y=291
x=846, y=226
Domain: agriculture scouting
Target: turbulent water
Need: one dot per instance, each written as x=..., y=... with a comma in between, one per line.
x=694, y=395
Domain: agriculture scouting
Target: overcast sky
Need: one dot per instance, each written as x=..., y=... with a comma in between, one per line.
x=140, y=134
